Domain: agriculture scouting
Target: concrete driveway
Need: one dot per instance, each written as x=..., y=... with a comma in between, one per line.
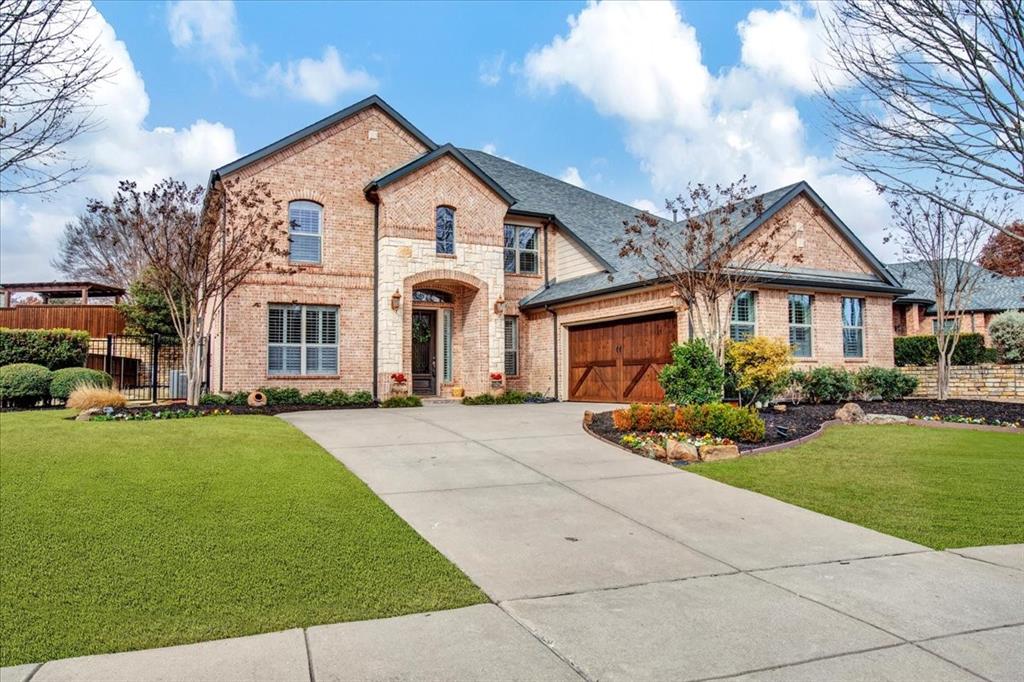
x=626, y=568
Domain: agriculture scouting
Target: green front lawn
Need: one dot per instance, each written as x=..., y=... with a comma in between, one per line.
x=117, y=536
x=937, y=487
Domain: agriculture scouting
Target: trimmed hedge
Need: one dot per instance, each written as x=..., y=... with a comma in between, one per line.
x=66, y=380
x=510, y=397
x=403, y=401
x=885, y=383
x=922, y=350
x=292, y=396
x=51, y=348
x=24, y=384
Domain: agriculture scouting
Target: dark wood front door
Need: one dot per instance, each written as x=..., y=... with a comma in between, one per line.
x=619, y=361
x=424, y=352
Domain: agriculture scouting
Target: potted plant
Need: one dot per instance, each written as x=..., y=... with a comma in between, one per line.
x=497, y=382
x=458, y=391
x=399, y=384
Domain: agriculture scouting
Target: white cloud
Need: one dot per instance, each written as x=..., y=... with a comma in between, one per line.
x=319, y=80
x=209, y=30
x=492, y=149
x=642, y=63
x=572, y=176
x=490, y=69
x=650, y=207
x=210, y=27
x=122, y=148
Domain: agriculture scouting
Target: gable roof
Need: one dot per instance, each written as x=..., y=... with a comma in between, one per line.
x=428, y=158
x=993, y=291
x=371, y=101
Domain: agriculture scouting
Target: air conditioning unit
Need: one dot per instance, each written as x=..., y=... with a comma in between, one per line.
x=177, y=384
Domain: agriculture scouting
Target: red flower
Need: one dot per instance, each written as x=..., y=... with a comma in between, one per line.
x=495, y=376
x=398, y=378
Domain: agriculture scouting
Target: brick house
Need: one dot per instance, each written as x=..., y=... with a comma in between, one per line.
x=449, y=264
x=991, y=294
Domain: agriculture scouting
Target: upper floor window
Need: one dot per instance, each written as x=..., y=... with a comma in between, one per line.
x=744, y=314
x=304, y=231
x=445, y=229
x=302, y=339
x=521, y=252
x=800, y=324
x=853, y=327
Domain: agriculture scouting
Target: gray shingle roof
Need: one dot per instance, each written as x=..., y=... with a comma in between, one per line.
x=991, y=293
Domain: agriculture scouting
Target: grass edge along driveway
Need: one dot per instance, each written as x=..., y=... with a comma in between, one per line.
x=120, y=536
x=942, y=488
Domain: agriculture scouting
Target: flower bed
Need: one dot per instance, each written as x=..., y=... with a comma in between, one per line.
x=802, y=420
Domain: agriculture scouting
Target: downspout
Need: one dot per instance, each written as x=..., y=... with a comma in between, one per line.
x=554, y=343
x=376, y=287
x=547, y=281
x=224, y=300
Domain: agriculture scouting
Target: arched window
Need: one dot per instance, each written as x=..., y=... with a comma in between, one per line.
x=304, y=231
x=445, y=224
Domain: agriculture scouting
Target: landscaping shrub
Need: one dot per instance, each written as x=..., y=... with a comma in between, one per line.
x=720, y=420
x=51, y=348
x=622, y=420
x=827, y=385
x=24, y=384
x=282, y=396
x=67, y=379
x=402, y=401
x=291, y=396
x=694, y=377
x=510, y=397
x=86, y=397
x=883, y=382
x=662, y=417
x=923, y=350
x=213, y=399
x=759, y=366
x=1007, y=332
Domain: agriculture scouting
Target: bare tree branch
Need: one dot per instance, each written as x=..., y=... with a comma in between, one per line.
x=48, y=68
x=920, y=90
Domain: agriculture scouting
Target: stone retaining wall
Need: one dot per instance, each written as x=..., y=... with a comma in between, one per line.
x=991, y=382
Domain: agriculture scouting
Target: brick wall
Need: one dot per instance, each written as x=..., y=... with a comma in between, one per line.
x=992, y=382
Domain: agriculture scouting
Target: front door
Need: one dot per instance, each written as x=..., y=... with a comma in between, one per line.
x=424, y=352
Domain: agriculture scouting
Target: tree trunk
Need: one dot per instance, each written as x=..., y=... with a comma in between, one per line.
x=194, y=356
x=942, y=376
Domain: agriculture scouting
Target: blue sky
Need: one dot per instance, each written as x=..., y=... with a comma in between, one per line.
x=631, y=101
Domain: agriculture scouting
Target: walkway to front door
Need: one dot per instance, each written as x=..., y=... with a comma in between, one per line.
x=424, y=352
x=628, y=568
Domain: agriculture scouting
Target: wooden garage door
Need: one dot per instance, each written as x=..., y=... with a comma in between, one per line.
x=619, y=361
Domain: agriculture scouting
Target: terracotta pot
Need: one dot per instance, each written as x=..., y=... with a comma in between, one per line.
x=399, y=389
x=458, y=391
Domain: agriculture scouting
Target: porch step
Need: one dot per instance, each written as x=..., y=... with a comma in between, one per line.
x=441, y=401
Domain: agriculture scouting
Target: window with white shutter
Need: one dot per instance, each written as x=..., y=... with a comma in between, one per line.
x=302, y=340
x=511, y=345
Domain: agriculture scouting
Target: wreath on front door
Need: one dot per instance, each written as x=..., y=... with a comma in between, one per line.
x=420, y=330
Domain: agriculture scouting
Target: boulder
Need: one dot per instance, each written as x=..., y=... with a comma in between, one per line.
x=850, y=413
x=885, y=419
x=654, y=451
x=681, y=450
x=588, y=417
x=713, y=453
x=86, y=415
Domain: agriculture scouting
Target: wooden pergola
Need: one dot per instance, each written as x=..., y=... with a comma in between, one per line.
x=48, y=290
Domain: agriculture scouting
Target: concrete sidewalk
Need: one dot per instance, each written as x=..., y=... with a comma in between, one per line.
x=604, y=565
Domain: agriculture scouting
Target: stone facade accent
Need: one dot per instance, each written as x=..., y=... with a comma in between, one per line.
x=987, y=382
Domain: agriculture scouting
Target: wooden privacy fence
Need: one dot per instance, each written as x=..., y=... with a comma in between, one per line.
x=98, y=320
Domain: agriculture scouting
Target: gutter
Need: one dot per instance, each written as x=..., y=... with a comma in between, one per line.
x=547, y=281
x=554, y=344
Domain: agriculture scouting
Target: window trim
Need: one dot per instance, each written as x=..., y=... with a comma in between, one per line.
x=518, y=251
x=861, y=328
x=752, y=323
x=809, y=325
x=437, y=241
x=319, y=233
x=302, y=344
x=514, y=351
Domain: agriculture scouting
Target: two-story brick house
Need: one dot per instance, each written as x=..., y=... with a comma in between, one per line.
x=449, y=264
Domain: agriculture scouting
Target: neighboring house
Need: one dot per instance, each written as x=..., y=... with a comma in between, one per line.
x=991, y=294
x=449, y=265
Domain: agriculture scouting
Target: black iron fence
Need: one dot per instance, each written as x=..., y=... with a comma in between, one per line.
x=143, y=367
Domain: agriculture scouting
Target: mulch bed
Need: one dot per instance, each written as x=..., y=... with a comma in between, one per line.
x=802, y=420
x=238, y=409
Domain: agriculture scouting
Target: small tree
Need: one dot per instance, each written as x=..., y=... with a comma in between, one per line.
x=146, y=312
x=946, y=240
x=702, y=255
x=694, y=376
x=197, y=249
x=97, y=247
x=1003, y=253
x=1007, y=332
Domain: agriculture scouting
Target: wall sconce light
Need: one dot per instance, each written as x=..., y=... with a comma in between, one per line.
x=396, y=300
x=499, y=305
